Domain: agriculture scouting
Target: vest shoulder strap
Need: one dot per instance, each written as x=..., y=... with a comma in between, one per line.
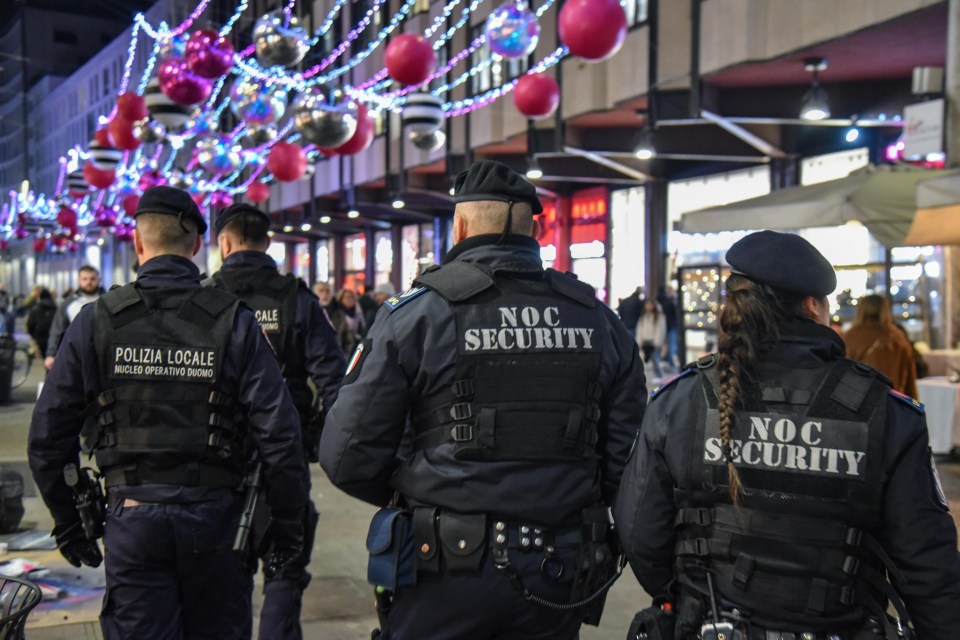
x=116, y=300
x=855, y=383
x=568, y=286
x=456, y=281
x=206, y=305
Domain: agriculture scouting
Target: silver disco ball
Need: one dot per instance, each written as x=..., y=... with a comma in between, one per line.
x=325, y=125
x=428, y=141
x=257, y=136
x=149, y=131
x=279, y=40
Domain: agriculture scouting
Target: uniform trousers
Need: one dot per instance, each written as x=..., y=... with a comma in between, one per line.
x=172, y=573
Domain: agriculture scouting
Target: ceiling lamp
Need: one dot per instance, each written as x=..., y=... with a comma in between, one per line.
x=398, y=203
x=353, y=213
x=645, y=149
x=815, y=105
x=534, y=172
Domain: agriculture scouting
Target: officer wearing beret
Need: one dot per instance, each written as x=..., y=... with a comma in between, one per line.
x=307, y=349
x=499, y=401
x=780, y=490
x=180, y=384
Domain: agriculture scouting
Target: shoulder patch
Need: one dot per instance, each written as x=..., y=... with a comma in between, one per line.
x=395, y=302
x=667, y=383
x=913, y=403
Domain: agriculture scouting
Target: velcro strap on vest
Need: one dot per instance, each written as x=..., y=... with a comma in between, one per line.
x=456, y=281
x=187, y=475
x=777, y=395
x=124, y=305
x=853, y=387
x=205, y=306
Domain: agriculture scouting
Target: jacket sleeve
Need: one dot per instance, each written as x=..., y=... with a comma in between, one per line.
x=54, y=437
x=363, y=431
x=57, y=329
x=272, y=417
x=324, y=359
x=621, y=408
x=644, y=509
x=917, y=530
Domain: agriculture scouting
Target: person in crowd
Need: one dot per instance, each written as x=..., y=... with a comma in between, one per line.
x=875, y=340
x=380, y=294
x=181, y=385
x=651, y=333
x=308, y=352
x=40, y=319
x=667, y=299
x=776, y=486
x=6, y=325
x=88, y=290
x=523, y=394
x=630, y=310
x=324, y=293
x=353, y=319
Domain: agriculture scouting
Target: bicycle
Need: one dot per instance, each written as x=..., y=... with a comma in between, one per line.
x=23, y=358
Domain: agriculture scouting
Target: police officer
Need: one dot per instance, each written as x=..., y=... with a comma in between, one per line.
x=775, y=485
x=523, y=395
x=181, y=384
x=307, y=349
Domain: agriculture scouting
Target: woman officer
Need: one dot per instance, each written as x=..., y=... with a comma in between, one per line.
x=775, y=485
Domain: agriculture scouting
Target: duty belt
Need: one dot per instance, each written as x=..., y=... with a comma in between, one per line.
x=532, y=538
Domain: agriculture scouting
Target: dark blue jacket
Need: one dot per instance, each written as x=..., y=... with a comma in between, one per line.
x=409, y=354
x=916, y=529
x=318, y=351
x=250, y=373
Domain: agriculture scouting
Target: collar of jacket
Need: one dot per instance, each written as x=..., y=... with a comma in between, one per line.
x=804, y=344
x=249, y=259
x=516, y=253
x=168, y=270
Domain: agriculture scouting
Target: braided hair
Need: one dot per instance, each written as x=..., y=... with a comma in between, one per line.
x=752, y=313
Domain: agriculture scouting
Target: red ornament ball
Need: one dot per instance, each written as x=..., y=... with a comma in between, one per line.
x=4, y=244
x=102, y=136
x=208, y=54
x=121, y=133
x=98, y=178
x=258, y=192
x=67, y=218
x=593, y=29
x=410, y=59
x=132, y=107
x=536, y=95
x=180, y=84
x=287, y=161
x=40, y=245
x=129, y=204
x=362, y=138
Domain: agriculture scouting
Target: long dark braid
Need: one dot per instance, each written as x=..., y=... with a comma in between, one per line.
x=751, y=313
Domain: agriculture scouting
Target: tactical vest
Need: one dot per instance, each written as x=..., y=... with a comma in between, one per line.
x=273, y=298
x=161, y=416
x=809, y=450
x=526, y=368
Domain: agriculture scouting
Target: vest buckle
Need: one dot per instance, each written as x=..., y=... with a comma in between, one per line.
x=461, y=411
x=461, y=433
x=463, y=388
x=851, y=566
x=701, y=547
x=854, y=537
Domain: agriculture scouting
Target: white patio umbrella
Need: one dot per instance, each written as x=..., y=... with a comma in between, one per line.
x=884, y=199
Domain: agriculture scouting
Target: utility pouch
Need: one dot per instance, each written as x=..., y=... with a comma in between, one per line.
x=463, y=537
x=652, y=623
x=390, y=544
x=595, y=564
x=425, y=539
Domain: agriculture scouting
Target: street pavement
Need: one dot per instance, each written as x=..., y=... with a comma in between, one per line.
x=338, y=605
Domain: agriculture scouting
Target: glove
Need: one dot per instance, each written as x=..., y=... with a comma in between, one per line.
x=76, y=547
x=284, y=544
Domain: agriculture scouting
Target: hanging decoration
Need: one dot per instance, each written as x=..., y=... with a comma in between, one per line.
x=279, y=40
x=77, y=184
x=410, y=59
x=592, y=29
x=258, y=136
x=512, y=30
x=164, y=110
x=132, y=107
x=257, y=103
x=121, y=134
x=208, y=54
x=422, y=113
x=219, y=155
x=148, y=131
x=106, y=217
x=287, y=161
x=536, y=95
x=104, y=156
x=323, y=124
x=258, y=192
x=432, y=141
x=362, y=137
x=182, y=85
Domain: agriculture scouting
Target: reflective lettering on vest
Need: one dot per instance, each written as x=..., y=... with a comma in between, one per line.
x=142, y=362
x=269, y=319
x=792, y=444
x=528, y=328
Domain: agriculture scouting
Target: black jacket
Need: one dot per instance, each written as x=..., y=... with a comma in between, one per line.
x=409, y=354
x=915, y=529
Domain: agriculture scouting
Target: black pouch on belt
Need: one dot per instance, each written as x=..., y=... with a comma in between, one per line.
x=425, y=539
x=463, y=537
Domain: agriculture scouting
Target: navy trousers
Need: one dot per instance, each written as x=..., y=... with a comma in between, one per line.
x=485, y=605
x=172, y=573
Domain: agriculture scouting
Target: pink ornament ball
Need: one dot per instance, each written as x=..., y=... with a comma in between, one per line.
x=593, y=29
x=410, y=59
x=536, y=95
x=258, y=192
x=208, y=54
x=287, y=161
x=105, y=217
x=131, y=107
x=180, y=84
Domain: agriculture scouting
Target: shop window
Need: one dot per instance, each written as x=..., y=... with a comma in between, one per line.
x=382, y=257
x=323, y=261
x=301, y=261
x=416, y=251
x=588, y=237
x=627, y=242
x=355, y=263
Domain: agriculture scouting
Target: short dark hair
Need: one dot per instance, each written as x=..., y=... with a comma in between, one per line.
x=166, y=233
x=248, y=228
x=88, y=267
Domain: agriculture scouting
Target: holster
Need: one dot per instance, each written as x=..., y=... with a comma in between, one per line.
x=654, y=623
x=390, y=544
x=463, y=538
x=595, y=563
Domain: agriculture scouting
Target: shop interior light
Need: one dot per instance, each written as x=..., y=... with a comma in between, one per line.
x=534, y=172
x=645, y=149
x=398, y=203
x=815, y=105
x=288, y=228
x=852, y=134
x=305, y=226
x=353, y=213
x=325, y=219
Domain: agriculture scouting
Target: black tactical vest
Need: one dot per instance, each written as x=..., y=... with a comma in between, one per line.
x=161, y=417
x=808, y=446
x=273, y=298
x=526, y=369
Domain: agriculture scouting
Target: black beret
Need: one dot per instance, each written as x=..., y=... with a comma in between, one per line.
x=172, y=202
x=489, y=180
x=239, y=209
x=784, y=261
